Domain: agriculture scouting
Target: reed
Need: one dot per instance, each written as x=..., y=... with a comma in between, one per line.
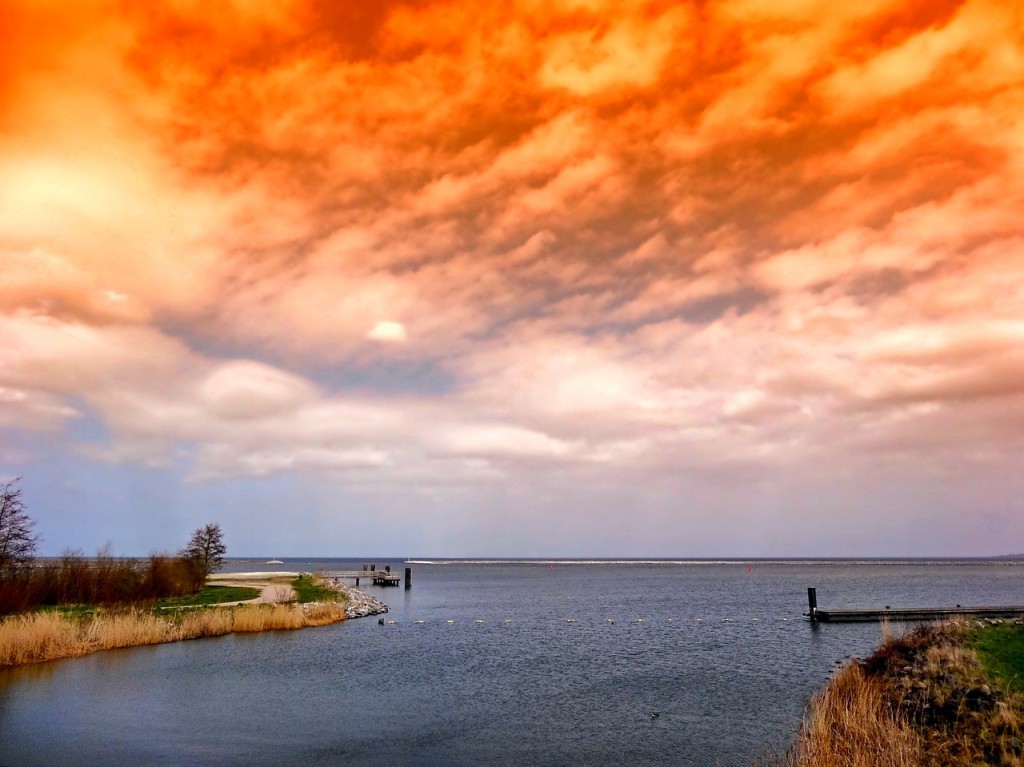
x=196, y=624
x=268, y=618
x=850, y=725
x=922, y=698
x=134, y=628
x=38, y=637
x=324, y=613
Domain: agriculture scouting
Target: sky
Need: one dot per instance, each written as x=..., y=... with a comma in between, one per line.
x=523, y=278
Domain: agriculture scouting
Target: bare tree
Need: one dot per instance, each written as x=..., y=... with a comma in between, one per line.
x=17, y=542
x=206, y=548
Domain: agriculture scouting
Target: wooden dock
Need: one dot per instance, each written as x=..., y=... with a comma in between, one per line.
x=370, y=572
x=906, y=614
x=912, y=614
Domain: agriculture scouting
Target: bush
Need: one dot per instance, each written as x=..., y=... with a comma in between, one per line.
x=105, y=580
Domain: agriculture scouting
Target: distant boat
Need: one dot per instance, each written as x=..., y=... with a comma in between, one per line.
x=274, y=562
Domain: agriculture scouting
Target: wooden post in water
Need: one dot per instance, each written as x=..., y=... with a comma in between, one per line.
x=812, y=603
x=408, y=577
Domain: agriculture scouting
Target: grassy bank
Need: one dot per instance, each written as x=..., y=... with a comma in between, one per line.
x=43, y=636
x=1001, y=652
x=311, y=588
x=77, y=630
x=212, y=595
x=940, y=696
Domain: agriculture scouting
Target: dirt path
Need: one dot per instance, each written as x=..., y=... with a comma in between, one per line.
x=274, y=587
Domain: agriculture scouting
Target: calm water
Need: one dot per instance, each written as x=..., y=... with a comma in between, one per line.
x=538, y=690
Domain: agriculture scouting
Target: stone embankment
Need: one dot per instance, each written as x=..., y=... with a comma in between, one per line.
x=358, y=604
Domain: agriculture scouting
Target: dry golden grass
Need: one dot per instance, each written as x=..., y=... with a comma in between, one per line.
x=269, y=617
x=963, y=716
x=129, y=629
x=35, y=637
x=38, y=637
x=849, y=725
x=196, y=624
x=323, y=613
x=951, y=712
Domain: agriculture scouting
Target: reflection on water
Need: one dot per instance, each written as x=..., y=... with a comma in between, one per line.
x=539, y=689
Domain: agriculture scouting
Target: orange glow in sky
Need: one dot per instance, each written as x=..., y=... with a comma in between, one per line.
x=647, y=278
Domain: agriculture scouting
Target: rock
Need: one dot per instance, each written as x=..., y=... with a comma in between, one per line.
x=359, y=604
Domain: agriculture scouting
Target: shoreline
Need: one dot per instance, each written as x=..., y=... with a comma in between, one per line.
x=38, y=637
x=929, y=696
x=358, y=604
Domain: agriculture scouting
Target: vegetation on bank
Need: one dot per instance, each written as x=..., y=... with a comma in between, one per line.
x=850, y=725
x=311, y=588
x=1001, y=651
x=44, y=636
x=57, y=633
x=74, y=606
x=27, y=584
x=939, y=696
x=72, y=579
x=211, y=595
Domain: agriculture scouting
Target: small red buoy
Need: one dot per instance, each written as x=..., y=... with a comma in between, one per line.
x=750, y=569
x=551, y=567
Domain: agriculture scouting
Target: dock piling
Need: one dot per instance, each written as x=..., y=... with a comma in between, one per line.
x=408, y=577
x=812, y=603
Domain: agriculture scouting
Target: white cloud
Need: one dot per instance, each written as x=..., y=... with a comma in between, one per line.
x=388, y=331
x=502, y=440
x=252, y=390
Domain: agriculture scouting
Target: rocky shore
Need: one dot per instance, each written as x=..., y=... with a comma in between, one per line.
x=358, y=604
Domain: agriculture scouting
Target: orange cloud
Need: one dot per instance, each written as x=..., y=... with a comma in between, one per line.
x=627, y=54
x=720, y=232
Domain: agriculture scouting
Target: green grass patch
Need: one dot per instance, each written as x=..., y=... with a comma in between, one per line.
x=308, y=590
x=1001, y=650
x=211, y=595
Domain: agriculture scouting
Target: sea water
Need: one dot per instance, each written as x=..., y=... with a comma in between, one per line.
x=540, y=663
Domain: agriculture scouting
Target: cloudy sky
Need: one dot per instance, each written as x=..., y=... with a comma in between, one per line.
x=575, y=278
